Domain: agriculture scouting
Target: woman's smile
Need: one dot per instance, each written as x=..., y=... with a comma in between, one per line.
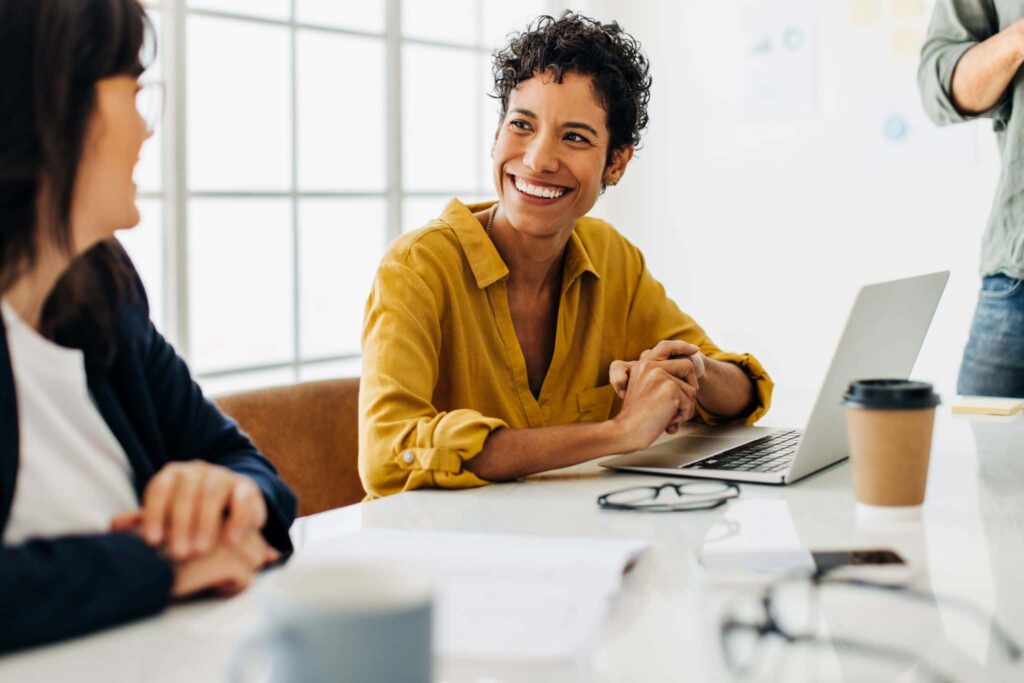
x=537, y=192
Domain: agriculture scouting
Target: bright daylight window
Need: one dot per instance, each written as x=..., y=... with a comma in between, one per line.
x=306, y=136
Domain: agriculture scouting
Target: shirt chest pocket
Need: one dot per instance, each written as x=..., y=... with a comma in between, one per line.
x=596, y=403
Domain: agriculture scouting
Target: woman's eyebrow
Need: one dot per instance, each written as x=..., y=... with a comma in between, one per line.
x=569, y=124
x=582, y=126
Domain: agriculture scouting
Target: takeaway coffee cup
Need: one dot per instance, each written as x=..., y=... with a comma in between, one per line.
x=889, y=422
x=357, y=623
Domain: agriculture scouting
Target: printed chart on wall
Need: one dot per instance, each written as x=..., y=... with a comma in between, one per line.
x=884, y=112
x=851, y=66
x=780, y=61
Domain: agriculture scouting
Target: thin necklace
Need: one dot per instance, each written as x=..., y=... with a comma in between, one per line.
x=490, y=219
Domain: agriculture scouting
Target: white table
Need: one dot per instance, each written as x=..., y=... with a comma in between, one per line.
x=664, y=624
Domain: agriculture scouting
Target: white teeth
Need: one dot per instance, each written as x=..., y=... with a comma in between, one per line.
x=533, y=190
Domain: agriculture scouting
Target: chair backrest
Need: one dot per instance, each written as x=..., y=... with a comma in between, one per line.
x=310, y=432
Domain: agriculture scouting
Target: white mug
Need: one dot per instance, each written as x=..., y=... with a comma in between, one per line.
x=358, y=623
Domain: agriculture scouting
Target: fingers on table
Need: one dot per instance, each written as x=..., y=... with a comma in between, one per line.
x=246, y=510
x=618, y=376
x=687, y=404
x=156, y=503
x=669, y=348
x=126, y=521
x=210, y=515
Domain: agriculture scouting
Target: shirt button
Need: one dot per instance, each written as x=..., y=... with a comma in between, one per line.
x=408, y=457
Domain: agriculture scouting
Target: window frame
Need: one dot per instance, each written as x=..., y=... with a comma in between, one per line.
x=175, y=193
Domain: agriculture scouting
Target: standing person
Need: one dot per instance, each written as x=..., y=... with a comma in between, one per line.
x=969, y=68
x=519, y=336
x=121, y=486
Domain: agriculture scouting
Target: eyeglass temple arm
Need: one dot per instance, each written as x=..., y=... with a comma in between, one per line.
x=856, y=646
x=1002, y=635
x=853, y=646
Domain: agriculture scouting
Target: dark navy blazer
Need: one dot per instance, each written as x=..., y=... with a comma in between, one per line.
x=60, y=587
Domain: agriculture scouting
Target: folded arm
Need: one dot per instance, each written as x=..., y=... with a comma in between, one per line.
x=967, y=63
x=58, y=588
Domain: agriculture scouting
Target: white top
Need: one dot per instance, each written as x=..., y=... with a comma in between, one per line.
x=73, y=475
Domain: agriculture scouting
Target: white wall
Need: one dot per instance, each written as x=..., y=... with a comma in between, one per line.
x=764, y=231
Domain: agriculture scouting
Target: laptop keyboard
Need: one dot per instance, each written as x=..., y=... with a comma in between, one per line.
x=771, y=453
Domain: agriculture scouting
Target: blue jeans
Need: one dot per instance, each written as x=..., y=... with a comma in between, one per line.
x=993, y=363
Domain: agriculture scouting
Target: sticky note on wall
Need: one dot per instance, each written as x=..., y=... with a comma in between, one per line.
x=907, y=9
x=906, y=42
x=865, y=11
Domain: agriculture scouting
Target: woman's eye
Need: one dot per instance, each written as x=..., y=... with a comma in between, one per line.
x=576, y=137
x=520, y=124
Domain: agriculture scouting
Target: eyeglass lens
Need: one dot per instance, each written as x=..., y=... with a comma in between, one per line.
x=690, y=493
x=149, y=101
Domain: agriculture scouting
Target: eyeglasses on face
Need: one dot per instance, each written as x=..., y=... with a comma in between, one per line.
x=670, y=497
x=149, y=101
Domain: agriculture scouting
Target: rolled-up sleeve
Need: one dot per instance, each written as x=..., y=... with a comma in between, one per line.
x=404, y=441
x=956, y=27
x=655, y=317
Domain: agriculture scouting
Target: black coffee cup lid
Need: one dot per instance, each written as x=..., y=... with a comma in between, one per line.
x=890, y=394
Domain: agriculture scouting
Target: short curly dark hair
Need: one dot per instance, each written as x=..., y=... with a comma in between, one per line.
x=575, y=43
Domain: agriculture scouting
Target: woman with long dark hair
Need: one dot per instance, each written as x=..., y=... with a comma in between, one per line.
x=121, y=486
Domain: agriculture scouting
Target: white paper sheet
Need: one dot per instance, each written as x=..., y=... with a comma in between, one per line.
x=499, y=596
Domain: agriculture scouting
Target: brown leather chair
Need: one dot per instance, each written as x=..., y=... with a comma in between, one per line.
x=310, y=432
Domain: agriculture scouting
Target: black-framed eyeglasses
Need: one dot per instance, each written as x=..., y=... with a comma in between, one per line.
x=671, y=497
x=789, y=609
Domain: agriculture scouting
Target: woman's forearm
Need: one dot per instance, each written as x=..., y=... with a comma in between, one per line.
x=986, y=70
x=513, y=453
x=725, y=390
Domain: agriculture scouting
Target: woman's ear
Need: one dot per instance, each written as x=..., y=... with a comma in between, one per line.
x=620, y=159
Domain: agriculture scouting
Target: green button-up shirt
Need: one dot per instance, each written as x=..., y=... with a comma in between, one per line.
x=957, y=26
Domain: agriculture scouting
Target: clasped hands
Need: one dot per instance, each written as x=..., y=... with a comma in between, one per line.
x=207, y=520
x=658, y=390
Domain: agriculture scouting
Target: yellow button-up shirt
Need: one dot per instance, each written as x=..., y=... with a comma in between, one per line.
x=442, y=366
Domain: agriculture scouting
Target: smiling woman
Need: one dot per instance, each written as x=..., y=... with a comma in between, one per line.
x=513, y=337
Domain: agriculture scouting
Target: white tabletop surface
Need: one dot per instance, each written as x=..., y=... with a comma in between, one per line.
x=664, y=624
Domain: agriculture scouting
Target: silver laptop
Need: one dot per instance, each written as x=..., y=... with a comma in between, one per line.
x=882, y=338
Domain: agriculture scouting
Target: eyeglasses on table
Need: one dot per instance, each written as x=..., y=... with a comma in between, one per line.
x=789, y=609
x=671, y=497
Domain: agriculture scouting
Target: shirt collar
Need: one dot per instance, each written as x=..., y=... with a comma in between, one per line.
x=484, y=259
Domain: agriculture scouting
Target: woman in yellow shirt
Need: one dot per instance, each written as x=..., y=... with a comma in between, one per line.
x=510, y=338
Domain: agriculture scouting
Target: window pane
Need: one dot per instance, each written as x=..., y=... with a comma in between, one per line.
x=501, y=18
x=311, y=372
x=359, y=15
x=440, y=132
x=273, y=9
x=341, y=112
x=144, y=244
x=450, y=21
x=147, y=174
x=239, y=116
x=418, y=211
x=490, y=119
x=240, y=283
x=246, y=381
x=340, y=242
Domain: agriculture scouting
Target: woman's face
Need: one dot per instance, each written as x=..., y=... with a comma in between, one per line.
x=550, y=153
x=103, y=199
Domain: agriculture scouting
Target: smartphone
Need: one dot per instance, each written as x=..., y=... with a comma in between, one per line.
x=881, y=565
